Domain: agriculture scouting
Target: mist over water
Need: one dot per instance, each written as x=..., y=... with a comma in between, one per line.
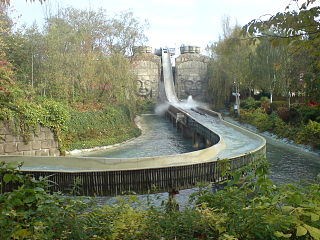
x=189, y=103
x=161, y=108
x=186, y=104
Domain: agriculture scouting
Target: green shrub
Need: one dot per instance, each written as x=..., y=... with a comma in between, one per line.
x=249, y=206
x=252, y=207
x=30, y=212
x=286, y=123
x=284, y=130
x=246, y=115
x=146, y=106
x=57, y=114
x=186, y=224
x=25, y=116
x=276, y=104
x=310, y=134
x=258, y=118
x=309, y=113
x=264, y=99
x=250, y=103
x=90, y=129
x=262, y=120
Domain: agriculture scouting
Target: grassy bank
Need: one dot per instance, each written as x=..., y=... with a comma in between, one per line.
x=99, y=128
x=74, y=127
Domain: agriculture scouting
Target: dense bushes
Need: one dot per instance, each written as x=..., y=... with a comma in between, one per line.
x=250, y=103
x=73, y=129
x=310, y=134
x=23, y=113
x=300, y=123
x=254, y=208
x=30, y=212
x=249, y=207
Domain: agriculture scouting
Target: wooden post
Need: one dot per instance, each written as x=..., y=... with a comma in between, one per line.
x=172, y=204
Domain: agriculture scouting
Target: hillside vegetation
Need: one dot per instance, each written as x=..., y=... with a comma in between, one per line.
x=74, y=76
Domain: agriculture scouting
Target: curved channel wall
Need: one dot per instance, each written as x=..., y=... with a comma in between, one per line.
x=105, y=176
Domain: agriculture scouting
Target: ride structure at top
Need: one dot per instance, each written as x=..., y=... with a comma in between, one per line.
x=189, y=49
x=189, y=72
x=159, y=51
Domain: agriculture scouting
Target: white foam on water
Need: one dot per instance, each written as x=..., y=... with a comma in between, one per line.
x=189, y=103
x=161, y=108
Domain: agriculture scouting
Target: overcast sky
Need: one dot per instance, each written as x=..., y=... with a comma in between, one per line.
x=172, y=22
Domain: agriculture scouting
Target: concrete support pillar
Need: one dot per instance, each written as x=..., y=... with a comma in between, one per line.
x=196, y=140
x=202, y=142
x=186, y=132
x=208, y=143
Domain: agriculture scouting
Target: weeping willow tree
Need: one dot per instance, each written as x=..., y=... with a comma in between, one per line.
x=230, y=67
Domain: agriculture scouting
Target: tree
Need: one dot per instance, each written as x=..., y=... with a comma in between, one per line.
x=292, y=25
x=65, y=60
x=6, y=68
x=299, y=31
x=268, y=63
x=230, y=67
x=8, y=1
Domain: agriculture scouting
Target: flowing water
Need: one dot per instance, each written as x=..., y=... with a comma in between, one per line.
x=289, y=163
x=160, y=138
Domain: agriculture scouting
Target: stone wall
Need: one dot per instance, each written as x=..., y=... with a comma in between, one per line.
x=191, y=76
x=147, y=67
x=41, y=143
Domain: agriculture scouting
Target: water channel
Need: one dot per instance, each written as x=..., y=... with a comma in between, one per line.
x=159, y=138
x=289, y=163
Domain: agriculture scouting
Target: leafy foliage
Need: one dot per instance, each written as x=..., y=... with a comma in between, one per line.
x=310, y=134
x=80, y=56
x=254, y=208
x=249, y=206
x=250, y=102
x=299, y=123
x=278, y=56
x=24, y=114
x=97, y=128
x=293, y=24
x=30, y=212
x=229, y=68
